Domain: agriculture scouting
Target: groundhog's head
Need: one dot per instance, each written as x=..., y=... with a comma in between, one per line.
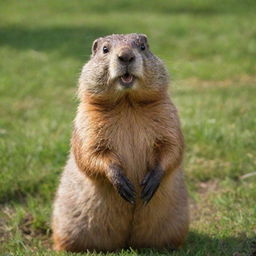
x=122, y=64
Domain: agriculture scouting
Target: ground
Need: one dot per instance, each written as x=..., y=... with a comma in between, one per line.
x=209, y=48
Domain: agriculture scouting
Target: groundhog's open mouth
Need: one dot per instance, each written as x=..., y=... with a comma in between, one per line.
x=127, y=80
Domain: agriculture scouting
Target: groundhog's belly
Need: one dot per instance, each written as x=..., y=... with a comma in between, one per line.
x=118, y=224
x=135, y=154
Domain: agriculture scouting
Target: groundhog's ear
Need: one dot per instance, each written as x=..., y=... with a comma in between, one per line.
x=144, y=38
x=95, y=46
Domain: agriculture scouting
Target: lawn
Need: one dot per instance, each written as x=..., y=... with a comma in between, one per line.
x=209, y=48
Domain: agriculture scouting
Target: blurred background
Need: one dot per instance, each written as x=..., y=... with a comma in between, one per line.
x=209, y=48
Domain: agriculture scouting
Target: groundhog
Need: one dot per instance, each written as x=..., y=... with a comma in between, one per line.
x=123, y=184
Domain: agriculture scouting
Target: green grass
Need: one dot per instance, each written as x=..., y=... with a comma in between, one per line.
x=209, y=48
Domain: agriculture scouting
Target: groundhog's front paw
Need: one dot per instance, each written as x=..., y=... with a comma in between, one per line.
x=122, y=184
x=150, y=183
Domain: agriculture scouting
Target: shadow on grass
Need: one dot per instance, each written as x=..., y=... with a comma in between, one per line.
x=200, y=245
x=65, y=41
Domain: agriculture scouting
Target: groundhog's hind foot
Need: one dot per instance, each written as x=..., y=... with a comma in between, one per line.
x=58, y=244
x=62, y=244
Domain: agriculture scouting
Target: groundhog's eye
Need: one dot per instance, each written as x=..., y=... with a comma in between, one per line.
x=105, y=49
x=142, y=47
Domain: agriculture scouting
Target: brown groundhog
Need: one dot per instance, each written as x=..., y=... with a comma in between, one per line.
x=123, y=184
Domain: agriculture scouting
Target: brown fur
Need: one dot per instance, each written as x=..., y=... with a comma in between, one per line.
x=135, y=130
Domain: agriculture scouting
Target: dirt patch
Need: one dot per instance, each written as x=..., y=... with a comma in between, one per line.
x=30, y=232
x=203, y=208
x=33, y=234
x=204, y=188
x=5, y=229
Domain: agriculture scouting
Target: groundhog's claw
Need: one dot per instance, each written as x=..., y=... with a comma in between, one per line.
x=150, y=184
x=123, y=186
x=126, y=190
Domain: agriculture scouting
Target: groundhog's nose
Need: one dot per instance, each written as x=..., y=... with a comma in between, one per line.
x=126, y=56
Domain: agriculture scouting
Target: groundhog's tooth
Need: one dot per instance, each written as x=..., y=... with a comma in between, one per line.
x=127, y=79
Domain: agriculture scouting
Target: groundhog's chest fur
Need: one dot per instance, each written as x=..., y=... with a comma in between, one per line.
x=129, y=130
